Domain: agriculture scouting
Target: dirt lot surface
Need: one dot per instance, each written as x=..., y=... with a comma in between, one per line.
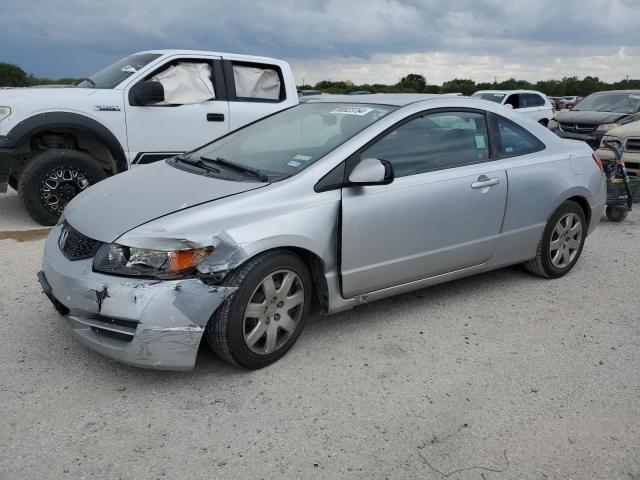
x=499, y=376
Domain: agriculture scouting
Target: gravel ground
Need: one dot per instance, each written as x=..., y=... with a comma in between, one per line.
x=499, y=376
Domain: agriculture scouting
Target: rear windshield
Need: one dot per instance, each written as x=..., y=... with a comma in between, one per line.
x=619, y=102
x=492, y=97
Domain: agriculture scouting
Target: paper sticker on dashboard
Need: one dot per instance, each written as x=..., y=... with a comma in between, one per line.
x=480, y=143
x=360, y=111
x=302, y=158
x=293, y=163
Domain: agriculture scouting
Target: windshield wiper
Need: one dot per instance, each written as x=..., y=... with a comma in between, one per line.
x=238, y=166
x=198, y=163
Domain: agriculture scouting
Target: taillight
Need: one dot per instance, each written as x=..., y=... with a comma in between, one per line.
x=596, y=158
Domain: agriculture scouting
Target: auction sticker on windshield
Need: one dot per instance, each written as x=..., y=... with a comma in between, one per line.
x=360, y=111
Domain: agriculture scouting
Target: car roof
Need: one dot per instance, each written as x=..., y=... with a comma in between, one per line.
x=394, y=99
x=509, y=91
x=637, y=92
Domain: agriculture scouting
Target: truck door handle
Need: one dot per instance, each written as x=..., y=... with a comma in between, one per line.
x=215, y=117
x=484, y=181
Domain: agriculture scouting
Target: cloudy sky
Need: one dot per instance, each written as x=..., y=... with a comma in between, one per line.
x=362, y=41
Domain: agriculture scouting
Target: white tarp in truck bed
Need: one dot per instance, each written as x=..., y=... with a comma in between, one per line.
x=186, y=83
x=254, y=82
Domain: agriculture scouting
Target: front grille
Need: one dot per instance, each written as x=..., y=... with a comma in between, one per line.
x=577, y=127
x=74, y=245
x=632, y=145
x=123, y=330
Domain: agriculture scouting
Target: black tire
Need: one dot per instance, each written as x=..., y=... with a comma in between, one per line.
x=226, y=331
x=542, y=264
x=615, y=213
x=34, y=185
x=544, y=122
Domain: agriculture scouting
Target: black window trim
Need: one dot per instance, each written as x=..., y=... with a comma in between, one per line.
x=229, y=77
x=497, y=142
x=217, y=78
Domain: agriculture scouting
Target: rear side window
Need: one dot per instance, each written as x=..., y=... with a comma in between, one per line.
x=255, y=82
x=433, y=142
x=513, y=140
x=531, y=100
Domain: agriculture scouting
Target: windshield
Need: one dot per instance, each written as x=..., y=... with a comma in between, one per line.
x=286, y=143
x=492, y=97
x=114, y=74
x=610, y=102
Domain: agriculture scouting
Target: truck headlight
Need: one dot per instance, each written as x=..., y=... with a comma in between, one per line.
x=4, y=112
x=605, y=127
x=142, y=262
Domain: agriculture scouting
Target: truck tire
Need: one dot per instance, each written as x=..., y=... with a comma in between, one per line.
x=51, y=179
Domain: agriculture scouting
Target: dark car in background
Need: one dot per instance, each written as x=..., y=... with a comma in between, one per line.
x=597, y=114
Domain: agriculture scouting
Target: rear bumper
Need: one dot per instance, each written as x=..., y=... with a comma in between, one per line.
x=598, y=204
x=144, y=323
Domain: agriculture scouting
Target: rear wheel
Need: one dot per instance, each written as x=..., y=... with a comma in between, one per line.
x=51, y=179
x=561, y=243
x=616, y=213
x=261, y=321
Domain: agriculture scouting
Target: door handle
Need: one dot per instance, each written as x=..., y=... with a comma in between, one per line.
x=215, y=117
x=484, y=181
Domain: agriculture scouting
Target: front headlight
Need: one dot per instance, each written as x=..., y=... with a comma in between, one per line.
x=142, y=262
x=552, y=123
x=605, y=127
x=608, y=138
x=4, y=113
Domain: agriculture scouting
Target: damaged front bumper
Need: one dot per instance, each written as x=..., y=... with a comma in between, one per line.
x=141, y=322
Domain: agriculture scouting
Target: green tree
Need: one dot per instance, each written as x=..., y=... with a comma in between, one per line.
x=12, y=76
x=459, y=85
x=414, y=82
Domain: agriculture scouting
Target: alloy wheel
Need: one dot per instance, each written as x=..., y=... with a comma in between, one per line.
x=60, y=185
x=565, y=241
x=273, y=312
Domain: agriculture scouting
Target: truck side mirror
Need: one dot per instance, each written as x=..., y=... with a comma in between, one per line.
x=148, y=93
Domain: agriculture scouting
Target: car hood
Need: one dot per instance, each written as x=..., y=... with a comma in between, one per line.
x=60, y=92
x=596, y=118
x=629, y=130
x=114, y=206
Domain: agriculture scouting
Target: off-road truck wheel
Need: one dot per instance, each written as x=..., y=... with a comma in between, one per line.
x=259, y=322
x=51, y=179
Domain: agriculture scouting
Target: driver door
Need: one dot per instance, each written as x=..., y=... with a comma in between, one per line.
x=443, y=212
x=160, y=131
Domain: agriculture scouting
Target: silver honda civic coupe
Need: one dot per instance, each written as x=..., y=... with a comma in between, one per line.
x=329, y=204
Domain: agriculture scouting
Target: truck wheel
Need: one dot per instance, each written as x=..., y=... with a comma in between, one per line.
x=51, y=179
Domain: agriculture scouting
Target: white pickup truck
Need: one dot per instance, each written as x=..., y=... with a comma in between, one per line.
x=55, y=142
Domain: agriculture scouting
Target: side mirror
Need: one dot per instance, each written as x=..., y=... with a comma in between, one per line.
x=508, y=105
x=371, y=171
x=148, y=93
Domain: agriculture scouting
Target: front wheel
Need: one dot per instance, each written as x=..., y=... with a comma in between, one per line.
x=561, y=243
x=51, y=179
x=261, y=321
